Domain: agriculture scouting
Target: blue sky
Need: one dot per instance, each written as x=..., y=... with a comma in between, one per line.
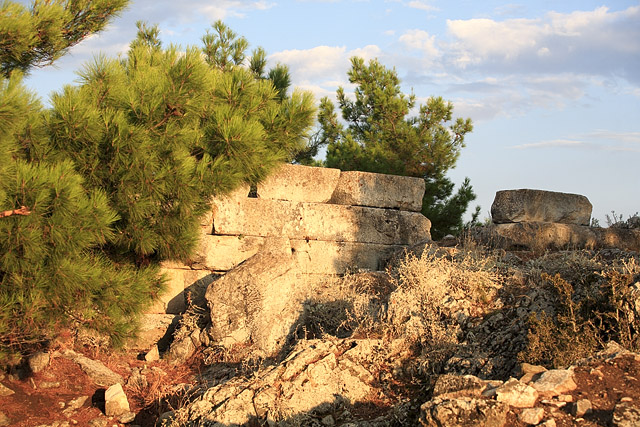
x=553, y=87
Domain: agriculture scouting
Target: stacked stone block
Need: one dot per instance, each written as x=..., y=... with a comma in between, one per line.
x=543, y=220
x=335, y=222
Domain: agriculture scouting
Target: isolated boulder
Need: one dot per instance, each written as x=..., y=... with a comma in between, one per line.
x=540, y=206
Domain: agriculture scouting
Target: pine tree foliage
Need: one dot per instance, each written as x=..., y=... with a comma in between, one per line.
x=378, y=134
x=163, y=130
x=110, y=180
x=50, y=273
x=41, y=34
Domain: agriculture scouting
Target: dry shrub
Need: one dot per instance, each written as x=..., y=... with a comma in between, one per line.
x=434, y=291
x=591, y=308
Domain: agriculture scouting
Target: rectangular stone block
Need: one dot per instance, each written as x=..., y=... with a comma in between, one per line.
x=379, y=190
x=172, y=301
x=315, y=221
x=319, y=257
x=222, y=253
x=510, y=206
x=299, y=183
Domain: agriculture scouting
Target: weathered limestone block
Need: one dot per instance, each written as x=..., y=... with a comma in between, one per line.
x=258, y=301
x=300, y=184
x=320, y=257
x=540, y=206
x=379, y=190
x=315, y=221
x=555, y=236
x=173, y=301
x=223, y=253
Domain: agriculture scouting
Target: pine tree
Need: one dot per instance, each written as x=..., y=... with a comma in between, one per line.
x=381, y=136
x=163, y=130
x=52, y=273
x=43, y=33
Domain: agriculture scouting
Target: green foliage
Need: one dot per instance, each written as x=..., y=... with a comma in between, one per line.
x=380, y=136
x=43, y=33
x=115, y=175
x=162, y=131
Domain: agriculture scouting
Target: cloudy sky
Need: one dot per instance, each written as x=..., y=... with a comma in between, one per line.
x=553, y=87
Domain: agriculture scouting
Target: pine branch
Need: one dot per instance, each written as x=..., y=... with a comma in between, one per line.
x=22, y=211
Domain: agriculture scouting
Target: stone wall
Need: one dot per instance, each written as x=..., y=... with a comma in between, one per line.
x=334, y=221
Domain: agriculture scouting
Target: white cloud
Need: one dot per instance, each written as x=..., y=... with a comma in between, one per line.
x=421, y=5
x=598, y=42
x=420, y=40
x=603, y=140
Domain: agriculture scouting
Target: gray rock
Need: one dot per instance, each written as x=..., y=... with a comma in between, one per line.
x=300, y=184
x=449, y=385
x=581, y=408
x=5, y=391
x=152, y=355
x=95, y=369
x=39, y=361
x=626, y=414
x=73, y=405
x=554, y=382
x=531, y=416
x=517, y=394
x=540, y=206
x=258, y=301
x=115, y=401
x=99, y=422
x=463, y=412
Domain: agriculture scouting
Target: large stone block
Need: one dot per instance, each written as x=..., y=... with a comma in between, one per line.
x=222, y=253
x=172, y=300
x=315, y=221
x=300, y=184
x=540, y=206
x=379, y=190
x=554, y=236
x=258, y=301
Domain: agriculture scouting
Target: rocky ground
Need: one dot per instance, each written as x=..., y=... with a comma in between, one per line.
x=460, y=362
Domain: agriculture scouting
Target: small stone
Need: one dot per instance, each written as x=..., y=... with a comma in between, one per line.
x=328, y=421
x=74, y=405
x=49, y=384
x=4, y=420
x=565, y=398
x=626, y=399
x=5, y=391
x=61, y=405
x=152, y=355
x=115, y=401
x=530, y=371
x=99, y=422
x=555, y=382
x=549, y=423
x=39, y=361
x=517, y=394
x=581, y=408
x=127, y=417
x=532, y=416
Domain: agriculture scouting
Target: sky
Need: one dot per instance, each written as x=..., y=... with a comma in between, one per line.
x=552, y=87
